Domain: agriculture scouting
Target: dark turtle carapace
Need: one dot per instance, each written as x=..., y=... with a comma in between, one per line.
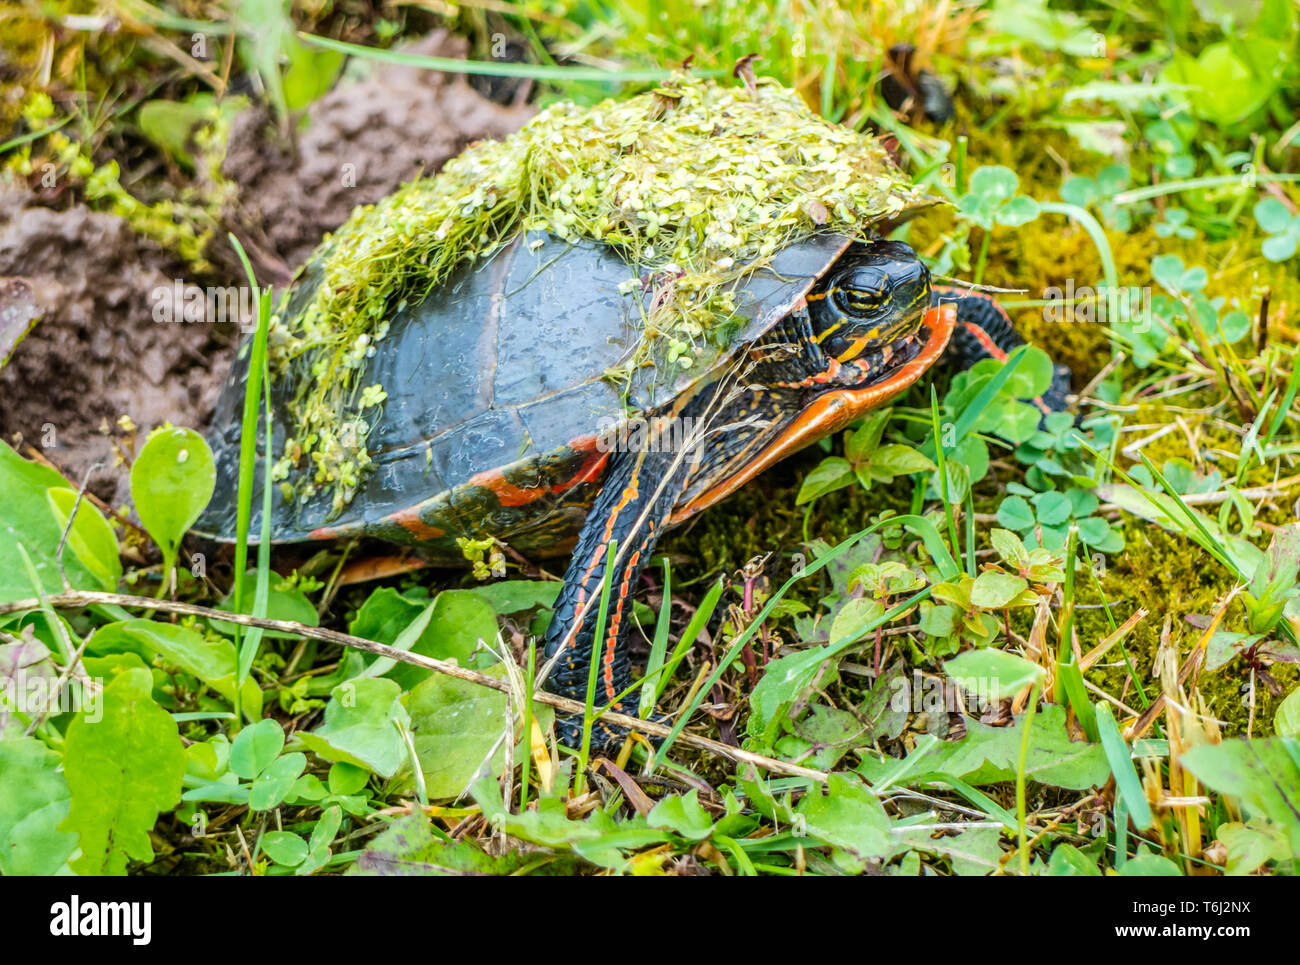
x=501, y=419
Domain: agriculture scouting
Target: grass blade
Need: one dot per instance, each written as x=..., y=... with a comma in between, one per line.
x=1121, y=765
x=496, y=68
x=247, y=647
x=660, y=645
x=593, y=669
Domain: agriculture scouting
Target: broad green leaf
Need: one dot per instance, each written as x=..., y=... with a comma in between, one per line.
x=309, y=788
x=1016, y=513
x=460, y=620
x=1263, y=774
x=34, y=799
x=830, y=733
x=853, y=617
x=1234, y=326
x=1280, y=247
x=207, y=760
x=1041, y=28
x=682, y=814
x=937, y=620
x=1052, y=508
x=385, y=614
x=273, y=785
x=1069, y=862
x=91, y=538
x=511, y=596
x=1224, y=88
x=1272, y=215
x=347, y=778
x=211, y=660
x=122, y=771
x=326, y=828
x=1287, y=719
x=597, y=838
x=1017, y=211
x=284, y=848
x=290, y=605
x=1274, y=580
x=449, y=629
x=988, y=755
x=1013, y=420
x=26, y=518
x=454, y=725
x=861, y=443
x=408, y=846
x=1094, y=531
x=994, y=182
x=784, y=681
x=361, y=726
x=228, y=790
x=846, y=816
x=170, y=124
x=310, y=73
x=1009, y=547
x=1252, y=844
x=255, y=748
x=831, y=474
x=973, y=852
x=1168, y=271
x=993, y=590
x=322, y=836
x=992, y=672
x=897, y=460
x=1150, y=866
x=171, y=483
x=957, y=594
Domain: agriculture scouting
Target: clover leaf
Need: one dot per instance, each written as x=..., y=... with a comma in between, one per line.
x=1085, y=191
x=1185, y=285
x=1166, y=137
x=1175, y=225
x=1043, y=519
x=992, y=199
x=1283, y=228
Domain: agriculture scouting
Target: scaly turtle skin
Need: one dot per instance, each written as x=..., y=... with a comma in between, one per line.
x=500, y=420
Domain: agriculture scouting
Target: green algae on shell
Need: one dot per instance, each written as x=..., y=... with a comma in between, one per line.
x=696, y=184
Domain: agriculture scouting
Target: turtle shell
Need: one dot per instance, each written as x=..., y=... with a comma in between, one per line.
x=497, y=385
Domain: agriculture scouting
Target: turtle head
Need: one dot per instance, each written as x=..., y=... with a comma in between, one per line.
x=875, y=295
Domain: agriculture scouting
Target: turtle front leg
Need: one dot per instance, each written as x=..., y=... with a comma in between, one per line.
x=636, y=497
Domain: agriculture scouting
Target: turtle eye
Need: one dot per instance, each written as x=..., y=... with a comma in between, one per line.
x=861, y=302
x=862, y=293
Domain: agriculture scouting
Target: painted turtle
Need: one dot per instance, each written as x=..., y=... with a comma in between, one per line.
x=498, y=395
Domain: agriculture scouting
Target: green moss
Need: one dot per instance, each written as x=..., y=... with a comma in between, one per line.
x=1166, y=573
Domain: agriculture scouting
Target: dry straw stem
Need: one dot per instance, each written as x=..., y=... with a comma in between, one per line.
x=78, y=599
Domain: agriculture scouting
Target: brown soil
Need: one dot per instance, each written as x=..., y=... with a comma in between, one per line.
x=364, y=139
x=97, y=354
